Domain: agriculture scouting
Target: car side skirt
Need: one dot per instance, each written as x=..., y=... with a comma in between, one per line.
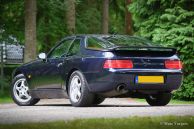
x=48, y=93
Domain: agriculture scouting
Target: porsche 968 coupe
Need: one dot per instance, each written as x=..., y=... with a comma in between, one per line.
x=86, y=69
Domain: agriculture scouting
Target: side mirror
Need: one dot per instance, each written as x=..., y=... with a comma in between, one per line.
x=42, y=56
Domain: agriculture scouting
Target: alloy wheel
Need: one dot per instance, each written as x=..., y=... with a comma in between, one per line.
x=20, y=91
x=75, y=89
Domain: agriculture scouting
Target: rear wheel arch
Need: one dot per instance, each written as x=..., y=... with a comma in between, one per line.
x=79, y=94
x=68, y=77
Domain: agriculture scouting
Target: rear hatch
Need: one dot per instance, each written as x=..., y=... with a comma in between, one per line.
x=145, y=57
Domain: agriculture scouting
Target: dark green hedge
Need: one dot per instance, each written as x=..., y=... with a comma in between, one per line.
x=171, y=23
x=5, y=82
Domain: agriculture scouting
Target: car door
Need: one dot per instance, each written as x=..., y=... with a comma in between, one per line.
x=48, y=72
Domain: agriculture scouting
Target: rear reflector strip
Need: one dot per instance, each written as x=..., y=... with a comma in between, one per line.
x=118, y=64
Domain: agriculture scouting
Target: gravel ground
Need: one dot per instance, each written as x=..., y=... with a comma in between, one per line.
x=60, y=109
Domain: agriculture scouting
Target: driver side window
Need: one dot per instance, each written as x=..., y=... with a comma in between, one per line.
x=61, y=49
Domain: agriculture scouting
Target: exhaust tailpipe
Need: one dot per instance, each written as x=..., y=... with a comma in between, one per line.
x=121, y=88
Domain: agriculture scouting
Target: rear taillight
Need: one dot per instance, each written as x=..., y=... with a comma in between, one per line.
x=118, y=64
x=173, y=64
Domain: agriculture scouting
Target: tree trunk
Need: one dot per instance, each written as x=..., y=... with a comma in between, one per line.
x=47, y=45
x=105, y=16
x=70, y=16
x=128, y=19
x=30, y=30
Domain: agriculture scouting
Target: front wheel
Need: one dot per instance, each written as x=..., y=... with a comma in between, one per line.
x=79, y=94
x=20, y=92
x=160, y=99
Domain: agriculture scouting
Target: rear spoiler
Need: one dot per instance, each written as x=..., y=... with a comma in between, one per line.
x=147, y=48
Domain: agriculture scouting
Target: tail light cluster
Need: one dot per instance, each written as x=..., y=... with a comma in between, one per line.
x=118, y=64
x=173, y=64
x=128, y=64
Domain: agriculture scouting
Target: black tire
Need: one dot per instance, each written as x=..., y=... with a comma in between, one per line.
x=86, y=99
x=30, y=102
x=98, y=100
x=160, y=99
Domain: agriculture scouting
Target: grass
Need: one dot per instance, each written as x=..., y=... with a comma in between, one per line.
x=5, y=99
x=173, y=101
x=181, y=102
x=164, y=122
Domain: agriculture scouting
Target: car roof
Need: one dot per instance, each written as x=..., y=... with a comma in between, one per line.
x=152, y=45
x=101, y=35
x=106, y=36
x=112, y=35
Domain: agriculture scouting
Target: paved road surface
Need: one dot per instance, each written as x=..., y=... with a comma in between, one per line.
x=53, y=110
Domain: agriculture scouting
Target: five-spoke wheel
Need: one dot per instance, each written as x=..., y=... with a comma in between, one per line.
x=20, y=91
x=78, y=91
x=75, y=89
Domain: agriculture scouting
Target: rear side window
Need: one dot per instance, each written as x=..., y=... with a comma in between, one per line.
x=75, y=48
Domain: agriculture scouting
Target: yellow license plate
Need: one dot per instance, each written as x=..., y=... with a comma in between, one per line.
x=150, y=79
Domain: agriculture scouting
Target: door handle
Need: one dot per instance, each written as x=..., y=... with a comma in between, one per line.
x=60, y=64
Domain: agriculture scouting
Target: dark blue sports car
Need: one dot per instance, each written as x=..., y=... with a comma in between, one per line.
x=89, y=68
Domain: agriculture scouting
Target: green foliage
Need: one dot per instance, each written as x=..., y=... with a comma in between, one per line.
x=50, y=23
x=51, y=20
x=186, y=92
x=3, y=83
x=171, y=23
x=6, y=99
x=117, y=16
x=88, y=20
x=11, y=20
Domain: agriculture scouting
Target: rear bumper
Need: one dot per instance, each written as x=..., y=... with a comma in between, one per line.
x=109, y=79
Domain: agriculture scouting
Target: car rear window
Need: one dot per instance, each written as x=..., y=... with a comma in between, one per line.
x=105, y=42
x=128, y=41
